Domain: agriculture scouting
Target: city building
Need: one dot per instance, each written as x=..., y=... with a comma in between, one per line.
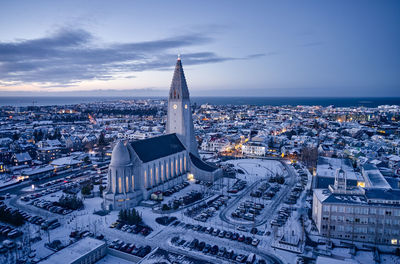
x=85, y=251
x=326, y=171
x=254, y=148
x=357, y=214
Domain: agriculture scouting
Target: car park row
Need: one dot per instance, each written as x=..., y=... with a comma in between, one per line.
x=134, y=229
x=130, y=248
x=205, y=210
x=220, y=233
x=215, y=250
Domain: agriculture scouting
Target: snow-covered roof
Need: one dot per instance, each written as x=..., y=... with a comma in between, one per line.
x=65, y=161
x=24, y=156
x=327, y=168
x=74, y=251
x=328, y=260
x=374, y=177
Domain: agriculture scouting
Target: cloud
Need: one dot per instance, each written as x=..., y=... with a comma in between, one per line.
x=312, y=44
x=70, y=56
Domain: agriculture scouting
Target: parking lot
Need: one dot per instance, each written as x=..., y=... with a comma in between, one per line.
x=222, y=252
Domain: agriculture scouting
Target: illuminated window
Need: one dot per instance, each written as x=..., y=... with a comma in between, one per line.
x=157, y=180
x=166, y=170
x=180, y=163
x=126, y=184
x=162, y=172
x=133, y=182
x=175, y=106
x=119, y=185
x=184, y=163
x=394, y=241
x=185, y=106
x=172, y=169
x=145, y=178
x=151, y=177
x=113, y=183
x=176, y=166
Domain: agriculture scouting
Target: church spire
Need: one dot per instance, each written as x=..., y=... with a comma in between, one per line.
x=179, y=89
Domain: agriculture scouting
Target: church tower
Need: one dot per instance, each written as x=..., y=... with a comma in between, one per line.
x=179, y=118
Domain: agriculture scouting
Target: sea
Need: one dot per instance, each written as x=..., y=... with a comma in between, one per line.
x=259, y=101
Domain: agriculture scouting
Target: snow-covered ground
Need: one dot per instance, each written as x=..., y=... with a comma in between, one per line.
x=254, y=171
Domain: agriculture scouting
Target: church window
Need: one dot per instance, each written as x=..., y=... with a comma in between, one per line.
x=180, y=164
x=162, y=172
x=176, y=166
x=126, y=184
x=172, y=169
x=151, y=177
x=166, y=170
x=113, y=184
x=133, y=182
x=145, y=178
x=157, y=179
x=119, y=185
x=174, y=94
x=184, y=163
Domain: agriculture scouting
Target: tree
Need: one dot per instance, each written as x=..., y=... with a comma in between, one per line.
x=15, y=136
x=11, y=217
x=70, y=202
x=86, y=190
x=87, y=160
x=101, y=189
x=101, y=143
x=165, y=207
x=309, y=156
x=130, y=216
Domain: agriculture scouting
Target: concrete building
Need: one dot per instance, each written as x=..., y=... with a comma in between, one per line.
x=141, y=167
x=357, y=214
x=326, y=169
x=86, y=251
x=254, y=148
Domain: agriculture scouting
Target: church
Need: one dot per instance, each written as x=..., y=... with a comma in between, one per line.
x=139, y=168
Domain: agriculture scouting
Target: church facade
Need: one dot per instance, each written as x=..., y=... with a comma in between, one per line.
x=139, y=168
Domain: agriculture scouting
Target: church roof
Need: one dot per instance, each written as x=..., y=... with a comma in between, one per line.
x=157, y=147
x=201, y=164
x=179, y=89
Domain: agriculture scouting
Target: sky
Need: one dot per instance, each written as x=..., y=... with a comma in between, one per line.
x=341, y=48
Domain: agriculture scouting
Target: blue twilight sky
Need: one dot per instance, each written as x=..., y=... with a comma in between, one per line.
x=249, y=48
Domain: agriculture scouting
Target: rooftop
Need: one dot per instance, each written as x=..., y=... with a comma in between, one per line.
x=157, y=147
x=74, y=251
x=327, y=167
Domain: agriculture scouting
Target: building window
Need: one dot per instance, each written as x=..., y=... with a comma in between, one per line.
x=133, y=182
x=119, y=185
x=172, y=169
x=166, y=171
x=176, y=167
x=162, y=172
x=184, y=163
x=126, y=184
x=157, y=179
x=145, y=178
x=151, y=177
x=180, y=164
